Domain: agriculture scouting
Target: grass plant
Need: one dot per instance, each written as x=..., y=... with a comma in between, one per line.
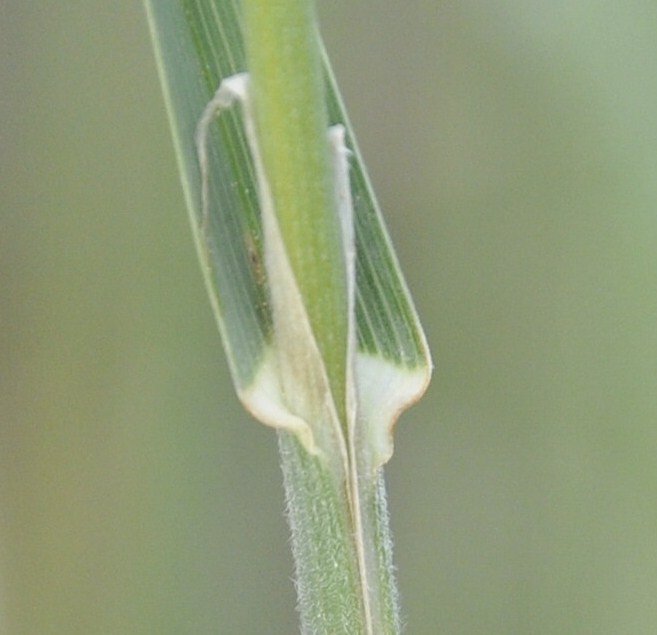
x=319, y=329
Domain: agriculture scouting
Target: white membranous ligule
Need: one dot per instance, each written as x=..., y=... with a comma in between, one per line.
x=378, y=389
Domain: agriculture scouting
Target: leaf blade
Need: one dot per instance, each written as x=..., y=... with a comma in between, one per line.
x=197, y=45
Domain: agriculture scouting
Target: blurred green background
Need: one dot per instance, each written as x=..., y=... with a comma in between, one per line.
x=513, y=146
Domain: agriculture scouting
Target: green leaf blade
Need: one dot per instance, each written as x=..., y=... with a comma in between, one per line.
x=291, y=118
x=197, y=45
